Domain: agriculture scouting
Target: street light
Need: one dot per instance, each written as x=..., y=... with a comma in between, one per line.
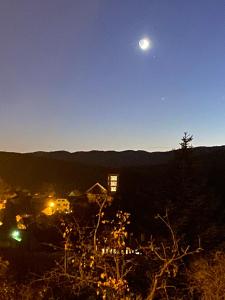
x=51, y=205
x=16, y=235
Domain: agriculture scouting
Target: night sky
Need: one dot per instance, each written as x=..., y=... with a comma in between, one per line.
x=72, y=75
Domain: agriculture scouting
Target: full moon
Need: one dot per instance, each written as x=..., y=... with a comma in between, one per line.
x=144, y=44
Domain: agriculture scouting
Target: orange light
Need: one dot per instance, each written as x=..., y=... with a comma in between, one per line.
x=51, y=204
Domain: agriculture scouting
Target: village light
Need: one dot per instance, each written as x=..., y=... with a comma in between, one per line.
x=113, y=182
x=51, y=204
x=15, y=234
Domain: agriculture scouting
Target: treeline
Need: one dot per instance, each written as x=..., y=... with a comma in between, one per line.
x=190, y=187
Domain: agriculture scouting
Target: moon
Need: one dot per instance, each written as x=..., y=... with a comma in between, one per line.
x=144, y=44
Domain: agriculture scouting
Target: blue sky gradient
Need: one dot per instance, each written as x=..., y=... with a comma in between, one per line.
x=72, y=76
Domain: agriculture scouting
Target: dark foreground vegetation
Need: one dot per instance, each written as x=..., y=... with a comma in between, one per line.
x=161, y=237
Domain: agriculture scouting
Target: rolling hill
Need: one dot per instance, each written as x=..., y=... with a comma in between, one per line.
x=82, y=169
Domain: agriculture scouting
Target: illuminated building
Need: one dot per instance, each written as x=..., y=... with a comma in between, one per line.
x=113, y=180
x=96, y=192
x=57, y=205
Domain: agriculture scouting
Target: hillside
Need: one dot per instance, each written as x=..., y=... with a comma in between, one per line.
x=109, y=159
x=119, y=159
x=81, y=169
x=36, y=173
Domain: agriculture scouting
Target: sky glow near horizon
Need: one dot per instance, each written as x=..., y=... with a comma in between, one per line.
x=73, y=76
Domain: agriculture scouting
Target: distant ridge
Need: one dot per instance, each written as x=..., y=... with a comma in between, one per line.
x=120, y=159
x=83, y=169
x=109, y=158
